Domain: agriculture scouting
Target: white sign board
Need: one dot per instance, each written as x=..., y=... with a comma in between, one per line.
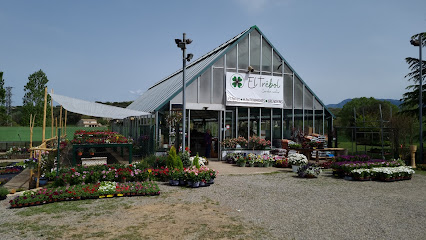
x=253, y=90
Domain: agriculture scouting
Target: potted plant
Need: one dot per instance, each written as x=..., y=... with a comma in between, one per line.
x=192, y=174
x=3, y=193
x=31, y=163
x=241, y=161
x=308, y=171
x=175, y=175
x=281, y=163
x=251, y=159
x=80, y=151
x=296, y=160
x=92, y=151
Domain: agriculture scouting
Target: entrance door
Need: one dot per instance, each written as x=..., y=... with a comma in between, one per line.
x=201, y=120
x=229, y=123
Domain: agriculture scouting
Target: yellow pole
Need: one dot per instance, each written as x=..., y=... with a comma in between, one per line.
x=51, y=110
x=31, y=145
x=65, y=127
x=44, y=115
x=60, y=118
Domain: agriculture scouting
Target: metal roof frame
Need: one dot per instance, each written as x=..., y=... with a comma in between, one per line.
x=225, y=48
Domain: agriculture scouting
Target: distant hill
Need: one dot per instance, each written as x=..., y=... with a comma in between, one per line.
x=340, y=105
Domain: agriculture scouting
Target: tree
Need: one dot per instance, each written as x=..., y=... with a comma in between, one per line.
x=33, y=100
x=3, y=114
x=366, y=110
x=411, y=98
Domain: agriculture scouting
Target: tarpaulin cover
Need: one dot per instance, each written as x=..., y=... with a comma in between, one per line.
x=94, y=109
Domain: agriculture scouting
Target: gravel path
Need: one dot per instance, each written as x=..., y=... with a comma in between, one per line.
x=291, y=208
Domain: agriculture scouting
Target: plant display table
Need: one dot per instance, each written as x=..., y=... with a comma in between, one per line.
x=129, y=146
x=307, y=152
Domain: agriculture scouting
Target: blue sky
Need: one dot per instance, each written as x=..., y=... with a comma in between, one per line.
x=113, y=50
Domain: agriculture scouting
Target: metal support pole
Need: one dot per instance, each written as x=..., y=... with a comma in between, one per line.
x=183, y=93
x=421, y=97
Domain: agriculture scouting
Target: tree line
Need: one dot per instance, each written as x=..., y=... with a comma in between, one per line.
x=33, y=104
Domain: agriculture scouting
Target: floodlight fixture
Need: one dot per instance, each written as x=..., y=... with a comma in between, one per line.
x=415, y=42
x=189, y=57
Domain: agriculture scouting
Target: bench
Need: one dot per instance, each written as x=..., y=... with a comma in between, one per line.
x=94, y=161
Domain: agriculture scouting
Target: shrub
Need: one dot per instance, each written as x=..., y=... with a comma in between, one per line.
x=3, y=192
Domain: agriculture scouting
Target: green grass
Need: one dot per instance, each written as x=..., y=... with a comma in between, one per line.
x=17, y=134
x=55, y=208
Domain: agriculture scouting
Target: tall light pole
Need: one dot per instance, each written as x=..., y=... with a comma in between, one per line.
x=181, y=43
x=419, y=44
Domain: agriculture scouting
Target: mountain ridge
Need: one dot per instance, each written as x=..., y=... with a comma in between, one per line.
x=342, y=103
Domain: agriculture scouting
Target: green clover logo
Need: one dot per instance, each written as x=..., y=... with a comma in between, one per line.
x=237, y=82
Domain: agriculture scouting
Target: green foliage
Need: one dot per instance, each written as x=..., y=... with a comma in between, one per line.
x=366, y=110
x=3, y=114
x=33, y=100
x=411, y=98
x=184, y=156
x=174, y=161
x=3, y=191
x=196, y=162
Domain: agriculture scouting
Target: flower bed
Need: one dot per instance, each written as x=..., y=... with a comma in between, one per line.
x=361, y=168
x=383, y=173
x=257, y=160
x=341, y=169
x=11, y=170
x=77, y=192
x=193, y=176
x=116, y=173
x=98, y=137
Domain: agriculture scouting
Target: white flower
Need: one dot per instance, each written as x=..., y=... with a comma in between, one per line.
x=297, y=159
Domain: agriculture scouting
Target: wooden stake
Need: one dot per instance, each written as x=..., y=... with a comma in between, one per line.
x=44, y=115
x=65, y=122
x=51, y=110
x=31, y=135
x=60, y=118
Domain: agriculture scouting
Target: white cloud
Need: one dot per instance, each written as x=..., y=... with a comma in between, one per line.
x=260, y=5
x=137, y=92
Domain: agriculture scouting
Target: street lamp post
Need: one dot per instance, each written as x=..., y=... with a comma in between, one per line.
x=419, y=44
x=181, y=43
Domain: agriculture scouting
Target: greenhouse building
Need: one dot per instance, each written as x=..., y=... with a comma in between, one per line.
x=244, y=87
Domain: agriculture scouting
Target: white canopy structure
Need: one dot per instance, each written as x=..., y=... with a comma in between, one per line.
x=95, y=109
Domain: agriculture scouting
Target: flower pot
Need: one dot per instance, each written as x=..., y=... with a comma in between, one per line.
x=110, y=195
x=119, y=194
x=266, y=164
x=349, y=178
x=79, y=153
x=189, y=183
x=294, y=168
x=182, y=182
x=196, y=184
x=211, y=181
x=242, y=164
x=251, y=164
x=174, y=182
x=203, y=184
